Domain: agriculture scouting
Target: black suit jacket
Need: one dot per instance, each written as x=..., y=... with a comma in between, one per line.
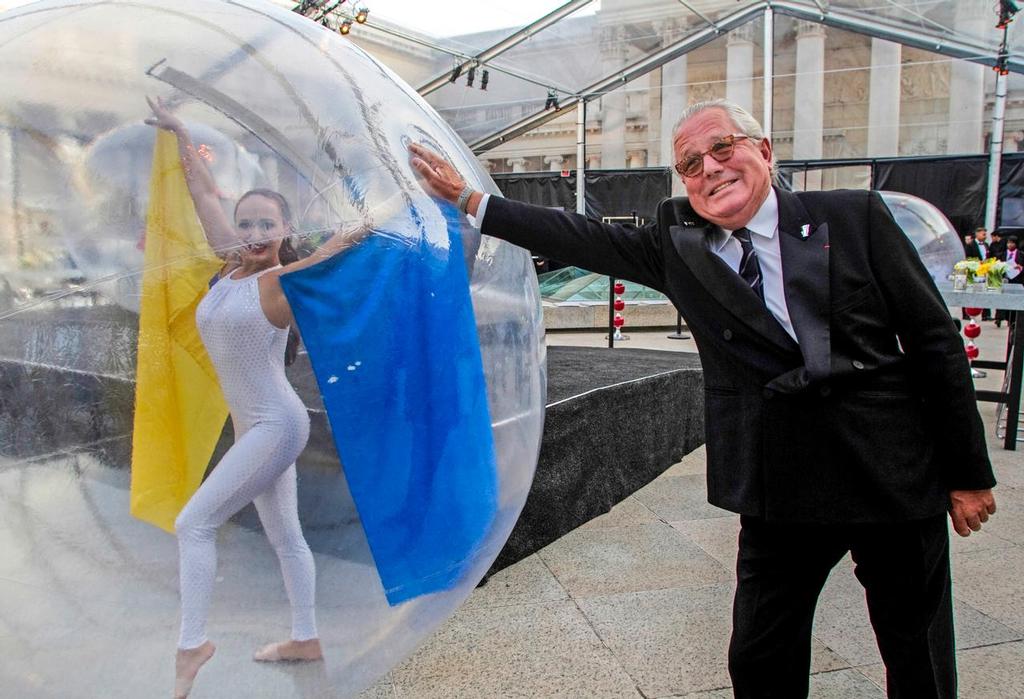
x=971, y=249
x=870, y=418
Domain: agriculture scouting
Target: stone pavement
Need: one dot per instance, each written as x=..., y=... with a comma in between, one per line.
x=636, y=603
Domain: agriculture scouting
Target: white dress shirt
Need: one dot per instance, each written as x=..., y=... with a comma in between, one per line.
x=765, y=226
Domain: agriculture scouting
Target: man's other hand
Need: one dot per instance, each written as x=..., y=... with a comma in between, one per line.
x=969, y=509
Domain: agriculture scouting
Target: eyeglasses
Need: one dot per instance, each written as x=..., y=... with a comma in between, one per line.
x=721, y=150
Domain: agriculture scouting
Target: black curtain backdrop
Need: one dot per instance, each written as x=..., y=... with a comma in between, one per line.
x=954, y=184
x=608, y=192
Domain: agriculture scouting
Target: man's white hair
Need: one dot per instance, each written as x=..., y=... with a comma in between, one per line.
x=743, y=120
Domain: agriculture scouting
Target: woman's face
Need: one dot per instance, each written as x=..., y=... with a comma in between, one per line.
x=261, y=228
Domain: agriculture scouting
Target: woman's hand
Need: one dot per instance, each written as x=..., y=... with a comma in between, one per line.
x=162, y=117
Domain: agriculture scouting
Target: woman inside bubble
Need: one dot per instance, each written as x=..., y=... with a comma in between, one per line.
x=244, y=322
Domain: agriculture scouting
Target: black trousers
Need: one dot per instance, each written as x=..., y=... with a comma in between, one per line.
x=781, y=569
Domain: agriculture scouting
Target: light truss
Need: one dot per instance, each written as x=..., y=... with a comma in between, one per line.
x=941, y=44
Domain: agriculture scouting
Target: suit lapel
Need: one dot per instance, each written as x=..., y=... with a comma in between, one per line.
x=724, y=284
x=804, y=247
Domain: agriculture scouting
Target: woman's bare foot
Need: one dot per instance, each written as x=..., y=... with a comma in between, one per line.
x=186, y=666
x=290, y=650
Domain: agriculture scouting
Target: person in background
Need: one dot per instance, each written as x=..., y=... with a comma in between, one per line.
x=998, y=246
x=970, y=247
x=981, y=241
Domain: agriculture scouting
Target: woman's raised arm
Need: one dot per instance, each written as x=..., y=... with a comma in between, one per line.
x=220, y=233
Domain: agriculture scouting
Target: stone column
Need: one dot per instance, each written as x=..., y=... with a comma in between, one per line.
x=613, y=104
x=884, y=99
x=637, y=158
x=8, y=173
x=673, y=91
x=739, y=66
x=809, y=92
x=518, y=164
x=554, y=162
x=967, y=82
x=593, y=161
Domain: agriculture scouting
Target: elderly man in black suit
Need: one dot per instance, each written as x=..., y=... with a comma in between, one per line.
x=840, y=414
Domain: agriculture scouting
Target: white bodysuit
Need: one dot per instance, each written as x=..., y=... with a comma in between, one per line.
x=271, y=429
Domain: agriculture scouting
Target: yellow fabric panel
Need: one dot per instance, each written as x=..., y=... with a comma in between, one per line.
x=179, y=408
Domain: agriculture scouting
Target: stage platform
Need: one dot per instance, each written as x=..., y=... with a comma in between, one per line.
x=615, y=420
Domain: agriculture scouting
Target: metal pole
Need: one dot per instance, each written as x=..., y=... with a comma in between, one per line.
x=995, y=151
x=611, y=312
x=581, y=157
x=769, y=70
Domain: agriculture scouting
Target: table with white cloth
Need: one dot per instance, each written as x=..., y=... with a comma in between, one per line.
x=1012, y=300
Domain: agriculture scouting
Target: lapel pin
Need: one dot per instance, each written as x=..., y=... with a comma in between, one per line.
x=805, y=230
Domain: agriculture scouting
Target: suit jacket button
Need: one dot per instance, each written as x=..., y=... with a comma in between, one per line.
x=825, y=391
x=857, y=364
x=727, y=334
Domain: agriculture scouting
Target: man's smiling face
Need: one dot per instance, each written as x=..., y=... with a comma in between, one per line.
x=729, y=193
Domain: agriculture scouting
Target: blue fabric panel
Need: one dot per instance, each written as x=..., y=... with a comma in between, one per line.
x=390, y=330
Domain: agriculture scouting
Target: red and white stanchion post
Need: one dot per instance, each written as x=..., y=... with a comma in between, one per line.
x=971, y=331
x=619, y=305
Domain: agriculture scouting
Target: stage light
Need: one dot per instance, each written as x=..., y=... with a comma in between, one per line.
x=456, y=72
x=552, y=100
x=361, y=15
x=484, y=79
x=344, y=28
x=1007, y=9
x=470, y=76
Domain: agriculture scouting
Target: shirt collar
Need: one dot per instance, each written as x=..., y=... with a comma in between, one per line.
x=764, y=223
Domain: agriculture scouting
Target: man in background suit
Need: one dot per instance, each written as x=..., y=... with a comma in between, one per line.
x=971, y=248
x=981, y=242
x=997, y=248
x=840, y=414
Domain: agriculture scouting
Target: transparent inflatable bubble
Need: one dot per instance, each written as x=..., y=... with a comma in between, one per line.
x=929, y=230
x=139, y=302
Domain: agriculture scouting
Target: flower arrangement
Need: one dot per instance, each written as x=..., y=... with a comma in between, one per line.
x=990, y=272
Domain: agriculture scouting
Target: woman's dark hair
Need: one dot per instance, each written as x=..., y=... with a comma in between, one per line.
x=286, y=255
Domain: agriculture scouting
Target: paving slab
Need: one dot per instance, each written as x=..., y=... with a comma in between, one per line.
x=528, y=581
x=993, y=583
x=675, y=641
x=591, y=562
x=628, y=512
x=717, y=536
x=527, y=650
x=679, y=498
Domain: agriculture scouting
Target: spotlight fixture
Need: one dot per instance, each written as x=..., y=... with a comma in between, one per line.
x=361, y=15
x=345, y=27
x=1007, y=9
x=484, y=79
x=470, y=76
x=552, y=100
x=456, y=72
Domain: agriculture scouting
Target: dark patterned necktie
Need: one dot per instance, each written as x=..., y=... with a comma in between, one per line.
x=749, y=269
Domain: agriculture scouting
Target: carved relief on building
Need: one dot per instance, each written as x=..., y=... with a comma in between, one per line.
x=848, y=87
x=809, y=29
x=743, y=34
x=927, y=81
